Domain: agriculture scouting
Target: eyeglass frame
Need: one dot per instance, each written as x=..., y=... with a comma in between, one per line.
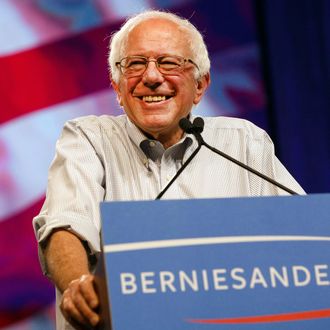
x=151, y=59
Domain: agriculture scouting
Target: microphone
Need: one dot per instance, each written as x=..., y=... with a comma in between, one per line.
x=196, y=128
x=191, y=128
x=198, y=124
x=186, y=125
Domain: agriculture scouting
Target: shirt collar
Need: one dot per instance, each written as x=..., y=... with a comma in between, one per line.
x=134, y=133
x=153, y=149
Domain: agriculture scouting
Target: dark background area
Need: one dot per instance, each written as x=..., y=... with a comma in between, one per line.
x=295, y=46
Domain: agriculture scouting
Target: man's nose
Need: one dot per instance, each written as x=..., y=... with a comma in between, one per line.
x=152, y=78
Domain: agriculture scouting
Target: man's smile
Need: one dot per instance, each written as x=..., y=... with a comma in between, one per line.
x=157, y=98
x=154, y=98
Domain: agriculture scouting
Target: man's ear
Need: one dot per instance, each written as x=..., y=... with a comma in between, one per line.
x=115, y=86
x=202, y=84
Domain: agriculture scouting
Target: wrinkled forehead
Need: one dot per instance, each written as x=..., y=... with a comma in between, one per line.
x=159, y=36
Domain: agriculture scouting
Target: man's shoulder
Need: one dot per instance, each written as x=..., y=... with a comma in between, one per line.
x=235, y=124
x=95, y=123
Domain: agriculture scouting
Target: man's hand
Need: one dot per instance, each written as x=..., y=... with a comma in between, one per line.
x=79, y=303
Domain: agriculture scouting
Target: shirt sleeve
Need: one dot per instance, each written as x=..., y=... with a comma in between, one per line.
x=267, y=163
x=75, y=189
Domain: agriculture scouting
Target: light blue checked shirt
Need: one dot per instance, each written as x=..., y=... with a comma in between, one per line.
x=108, y=158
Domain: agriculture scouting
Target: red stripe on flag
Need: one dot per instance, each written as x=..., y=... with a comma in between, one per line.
x=54, y=73
x=297, y=316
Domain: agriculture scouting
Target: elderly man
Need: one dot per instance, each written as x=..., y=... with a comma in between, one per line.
x=159, y=70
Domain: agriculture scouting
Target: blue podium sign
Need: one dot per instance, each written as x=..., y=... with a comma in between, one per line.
x=245, y=263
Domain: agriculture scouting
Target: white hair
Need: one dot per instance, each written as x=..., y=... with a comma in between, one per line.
x=195, y=40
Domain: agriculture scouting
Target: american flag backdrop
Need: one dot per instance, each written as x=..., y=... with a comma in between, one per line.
x=53, y=68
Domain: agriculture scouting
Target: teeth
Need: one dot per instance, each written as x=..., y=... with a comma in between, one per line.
x=150, y=98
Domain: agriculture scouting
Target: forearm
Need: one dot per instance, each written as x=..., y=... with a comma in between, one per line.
x=67, y=266
x=66, y=258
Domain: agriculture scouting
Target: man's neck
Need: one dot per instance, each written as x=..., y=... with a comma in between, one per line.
x=167, y=140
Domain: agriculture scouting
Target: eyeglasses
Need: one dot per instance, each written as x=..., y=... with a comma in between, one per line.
x=133, y=66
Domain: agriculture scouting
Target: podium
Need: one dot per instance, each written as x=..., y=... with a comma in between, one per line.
x=232, y=263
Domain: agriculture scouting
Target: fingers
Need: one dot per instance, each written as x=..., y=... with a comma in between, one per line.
x=88, y=291
x=70, y=312
x=79, y=301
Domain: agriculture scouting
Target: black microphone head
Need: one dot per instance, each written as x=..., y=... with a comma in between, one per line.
x=198, y=124
x=186, y=125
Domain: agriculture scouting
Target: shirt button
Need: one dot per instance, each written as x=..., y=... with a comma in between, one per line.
x=168, y=177
x=152, y=144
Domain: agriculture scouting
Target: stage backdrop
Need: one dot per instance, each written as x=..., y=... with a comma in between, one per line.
x=295, y=40
x=53, y=68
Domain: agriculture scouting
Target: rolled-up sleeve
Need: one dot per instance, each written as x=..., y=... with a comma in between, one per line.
x=75, y=189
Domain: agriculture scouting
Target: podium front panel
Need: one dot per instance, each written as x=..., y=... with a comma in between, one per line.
x=245, y=263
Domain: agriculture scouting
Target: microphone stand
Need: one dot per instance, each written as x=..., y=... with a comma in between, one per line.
x=196, y=129
x=248, y=168
x=159, y=196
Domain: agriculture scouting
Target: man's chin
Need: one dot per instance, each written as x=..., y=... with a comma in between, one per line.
x=156, y=127
x=157, y=122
